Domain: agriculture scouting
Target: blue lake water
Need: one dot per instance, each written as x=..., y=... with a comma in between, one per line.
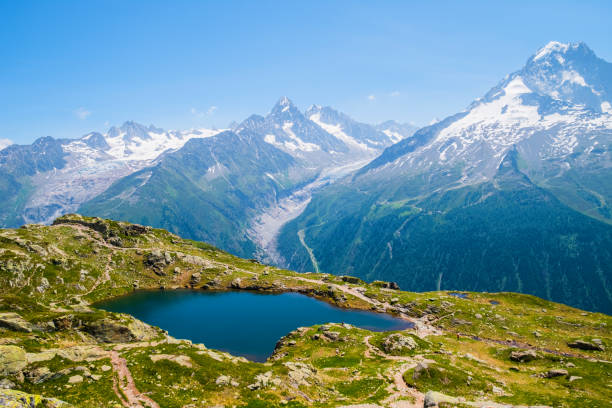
x=242, y=323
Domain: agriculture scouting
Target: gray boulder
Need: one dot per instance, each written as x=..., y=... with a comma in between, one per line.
x=585, y=345
x=15, y=322
x=523, y=356
x=397, y=342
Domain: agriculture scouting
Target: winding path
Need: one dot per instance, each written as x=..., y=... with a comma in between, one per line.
x=125, y=383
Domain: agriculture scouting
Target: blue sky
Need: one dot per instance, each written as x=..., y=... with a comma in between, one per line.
x=69, y=67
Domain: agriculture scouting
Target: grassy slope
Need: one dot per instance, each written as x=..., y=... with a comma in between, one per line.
x=459, y=337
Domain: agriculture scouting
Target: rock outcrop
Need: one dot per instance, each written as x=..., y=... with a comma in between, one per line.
x=397, y=343
x=585, y=345
x=12, y=360
x=15, y=322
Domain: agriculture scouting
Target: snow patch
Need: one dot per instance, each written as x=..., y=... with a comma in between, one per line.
x=553, y=46
x=338, y=133
x=299, y=143
x=5, y=143
x=574, y=78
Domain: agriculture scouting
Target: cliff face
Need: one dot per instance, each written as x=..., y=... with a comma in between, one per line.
x=465, y=348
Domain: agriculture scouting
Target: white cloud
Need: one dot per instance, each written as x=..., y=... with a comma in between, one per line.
x=371, y=97
x=81, y=113
x=200, y=114
x=4, y=143
x=434, y=121
x=395, y=93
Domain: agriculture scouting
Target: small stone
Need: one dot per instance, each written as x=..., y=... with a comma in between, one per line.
x=497, y=390
x=6, y=384
x=105, y=368
x=574, y=378
x=75, y=379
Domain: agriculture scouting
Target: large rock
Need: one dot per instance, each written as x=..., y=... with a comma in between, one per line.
x=12, y=360
x=386, y=285
x=523, y=356
x=350, y=279
x=585, y=345
x=76, y=353
x=110, y=331
x=14, y=322
x=433, y=399
x=44, y=285
x=196, y=278
x=179, y=359
x=300, y=373
x=397, y=342
x=555, y=372
x=18, y=399
x=40, y=374
x=64, y=322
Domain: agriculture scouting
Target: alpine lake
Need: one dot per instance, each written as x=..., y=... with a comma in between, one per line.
x=241, y=323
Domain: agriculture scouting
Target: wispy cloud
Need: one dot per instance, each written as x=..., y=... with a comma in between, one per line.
x=200, y=114
x=371, y=97
x=395, y=93
x=81, y=113
x=5, y=142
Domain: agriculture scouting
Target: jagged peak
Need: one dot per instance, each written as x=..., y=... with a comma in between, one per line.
x=556, y=48
x=283, y=105
x=284, y=101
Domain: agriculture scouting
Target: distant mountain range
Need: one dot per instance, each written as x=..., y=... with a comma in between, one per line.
x=512, y=194
x=202, y=183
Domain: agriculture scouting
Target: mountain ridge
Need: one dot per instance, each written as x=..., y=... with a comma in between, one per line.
x=560, y=145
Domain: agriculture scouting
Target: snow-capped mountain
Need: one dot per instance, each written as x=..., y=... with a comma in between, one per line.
x=553, y=110
x=288, y=129
x=396, y=131
x=135, y=142
x=321, y=136
x=85, y=167
x=512, y=194
x=355, y=135
x=52, y=177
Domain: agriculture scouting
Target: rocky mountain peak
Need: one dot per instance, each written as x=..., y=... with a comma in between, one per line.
x=285, y=108
x=570, y=73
